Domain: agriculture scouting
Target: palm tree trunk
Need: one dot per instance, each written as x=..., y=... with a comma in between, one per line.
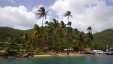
x=43, y=34
x=42, y=22
x=68, y=21
x=92, y=45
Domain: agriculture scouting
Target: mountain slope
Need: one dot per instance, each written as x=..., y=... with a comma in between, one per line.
x=101, y=38
x=6, y=33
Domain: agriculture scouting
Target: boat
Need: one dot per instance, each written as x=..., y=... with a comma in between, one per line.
x=108, y=53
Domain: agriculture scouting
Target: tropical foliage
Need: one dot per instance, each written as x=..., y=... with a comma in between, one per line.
x=55, y=36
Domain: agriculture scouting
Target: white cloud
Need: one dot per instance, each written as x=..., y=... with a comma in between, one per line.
x=95, y=13
x=17, y=17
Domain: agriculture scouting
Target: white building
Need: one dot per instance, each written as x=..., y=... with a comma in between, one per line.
x=98, y=51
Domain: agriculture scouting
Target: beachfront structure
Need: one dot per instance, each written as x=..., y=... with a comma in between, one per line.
x=98, y=51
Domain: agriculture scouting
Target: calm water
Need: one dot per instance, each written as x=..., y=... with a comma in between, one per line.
x=61, y=60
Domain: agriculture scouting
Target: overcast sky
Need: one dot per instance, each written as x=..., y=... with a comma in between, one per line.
x=21, y=14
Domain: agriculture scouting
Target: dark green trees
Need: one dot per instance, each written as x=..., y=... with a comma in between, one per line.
x=90, y=37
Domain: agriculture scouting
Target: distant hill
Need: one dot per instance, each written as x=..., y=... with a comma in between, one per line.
x=101, y=38
x=6, y=33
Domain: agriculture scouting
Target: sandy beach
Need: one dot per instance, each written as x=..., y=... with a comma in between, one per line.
x=42, y=55
x=63, y=54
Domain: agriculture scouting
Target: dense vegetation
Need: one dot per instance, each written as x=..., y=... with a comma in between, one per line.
x=18, y=35
x=55, y=36
x=101, y=38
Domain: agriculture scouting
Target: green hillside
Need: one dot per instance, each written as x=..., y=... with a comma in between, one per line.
x=7, y=33
x=101, y=38
x=98, y=43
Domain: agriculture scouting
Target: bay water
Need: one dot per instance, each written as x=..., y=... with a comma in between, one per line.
x=61, y=60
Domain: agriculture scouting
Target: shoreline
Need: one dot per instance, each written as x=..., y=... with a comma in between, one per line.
x=71, y=54
x=55, y=55
x=61, y=55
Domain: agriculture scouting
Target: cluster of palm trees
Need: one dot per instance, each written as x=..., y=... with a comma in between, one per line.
x=56, y=36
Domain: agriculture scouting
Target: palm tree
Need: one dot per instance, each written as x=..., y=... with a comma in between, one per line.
x=68, y=15
x=36, y=36
x=69, y=24
x=80, y=41
x=62, y=24
x=51, y=28
x=55, y=23
x=90, y=36
x=42, y=14
x=89, y=28
x=76, y=30
x=46, y=23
